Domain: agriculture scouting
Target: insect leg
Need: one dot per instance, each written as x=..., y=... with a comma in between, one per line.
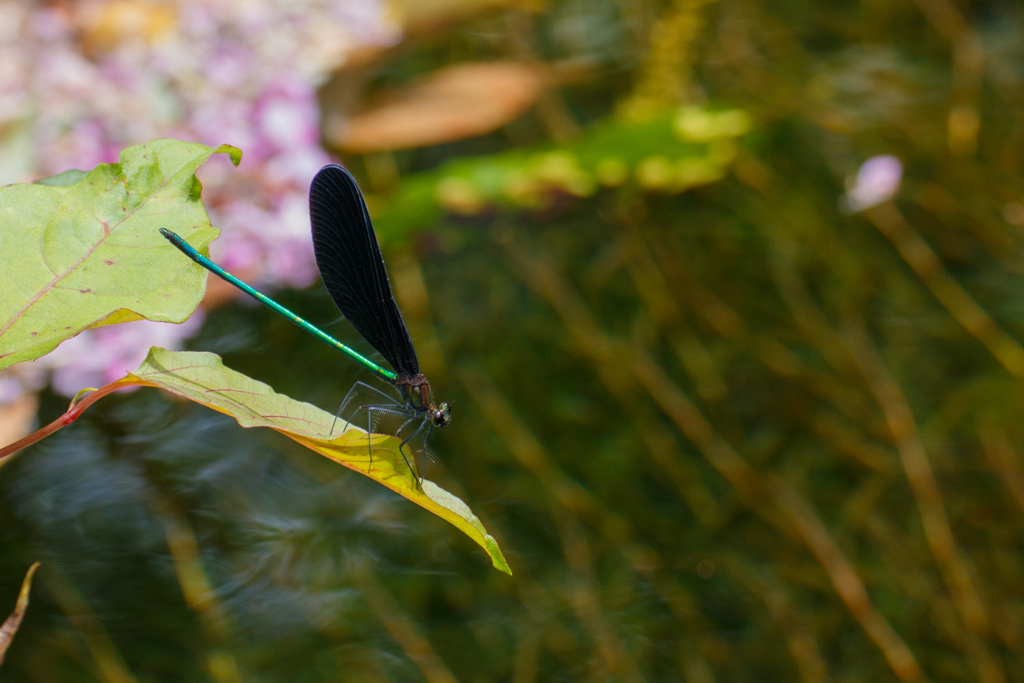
x=426, y=440
x=352, y=393
x=401, y=448
x=390, y=409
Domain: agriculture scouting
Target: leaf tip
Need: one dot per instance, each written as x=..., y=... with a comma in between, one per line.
x=497, y=559
x=232, y=151
x=10, y=627
x=466, y=521
x=27, y=583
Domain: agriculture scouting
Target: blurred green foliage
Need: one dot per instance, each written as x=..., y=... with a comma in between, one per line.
x=669, y=152
x=731, y=433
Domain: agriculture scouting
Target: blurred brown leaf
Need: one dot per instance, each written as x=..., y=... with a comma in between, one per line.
x=10, y=627
x=16, y=418
x=449, y=104
x=416, y=16
x=105, y=24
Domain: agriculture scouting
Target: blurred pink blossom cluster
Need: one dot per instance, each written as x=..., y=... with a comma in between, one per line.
x=81, y=81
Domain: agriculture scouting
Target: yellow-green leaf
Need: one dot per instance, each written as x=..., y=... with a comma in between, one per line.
x=84, y=249
x=202, y=377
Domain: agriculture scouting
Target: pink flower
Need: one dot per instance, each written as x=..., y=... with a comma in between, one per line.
x=877, y=181
x=106, y=354
x=241, y=73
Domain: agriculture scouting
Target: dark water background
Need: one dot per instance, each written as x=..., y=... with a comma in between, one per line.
x=732, y=434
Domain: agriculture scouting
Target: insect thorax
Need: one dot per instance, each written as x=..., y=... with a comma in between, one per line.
x=416, y=392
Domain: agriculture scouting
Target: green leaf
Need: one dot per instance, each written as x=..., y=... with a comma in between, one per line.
x=81, y=250
x=202, y=377
x=65, y=179
x=669, y=151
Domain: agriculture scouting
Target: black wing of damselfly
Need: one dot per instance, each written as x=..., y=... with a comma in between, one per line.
x=352, y=268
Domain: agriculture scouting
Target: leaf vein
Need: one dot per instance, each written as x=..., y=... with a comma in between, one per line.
x=109, y=230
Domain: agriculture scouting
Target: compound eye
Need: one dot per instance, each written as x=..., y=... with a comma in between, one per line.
x=442, y=416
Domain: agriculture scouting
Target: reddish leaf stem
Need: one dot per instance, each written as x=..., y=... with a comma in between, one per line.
x=73, y=413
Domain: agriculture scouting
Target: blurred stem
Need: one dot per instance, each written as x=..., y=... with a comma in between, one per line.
x=908, y=563
x=556, y=117
x=110, y=664
x=851, y=354
x=195, y=587
x=528, y=651
x=665, y=77
x=968, y=69
x=803, y=647
x=800, y=514
x=399, y=625
x=919, y=256
x=414, y=301
x=768, y=351
x=783, y=259
x=954, y=216
x=583, y=592
x=594, y=345
x=919, y=474
x=668, y=316
x=551, y=108
x=1003, y=459
x=644, y=559
x=784, y=263
x=198, y=593
x=945, y=17
x=73, y=413
x=545, y=624
x=850, y=440
x=694, y=425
